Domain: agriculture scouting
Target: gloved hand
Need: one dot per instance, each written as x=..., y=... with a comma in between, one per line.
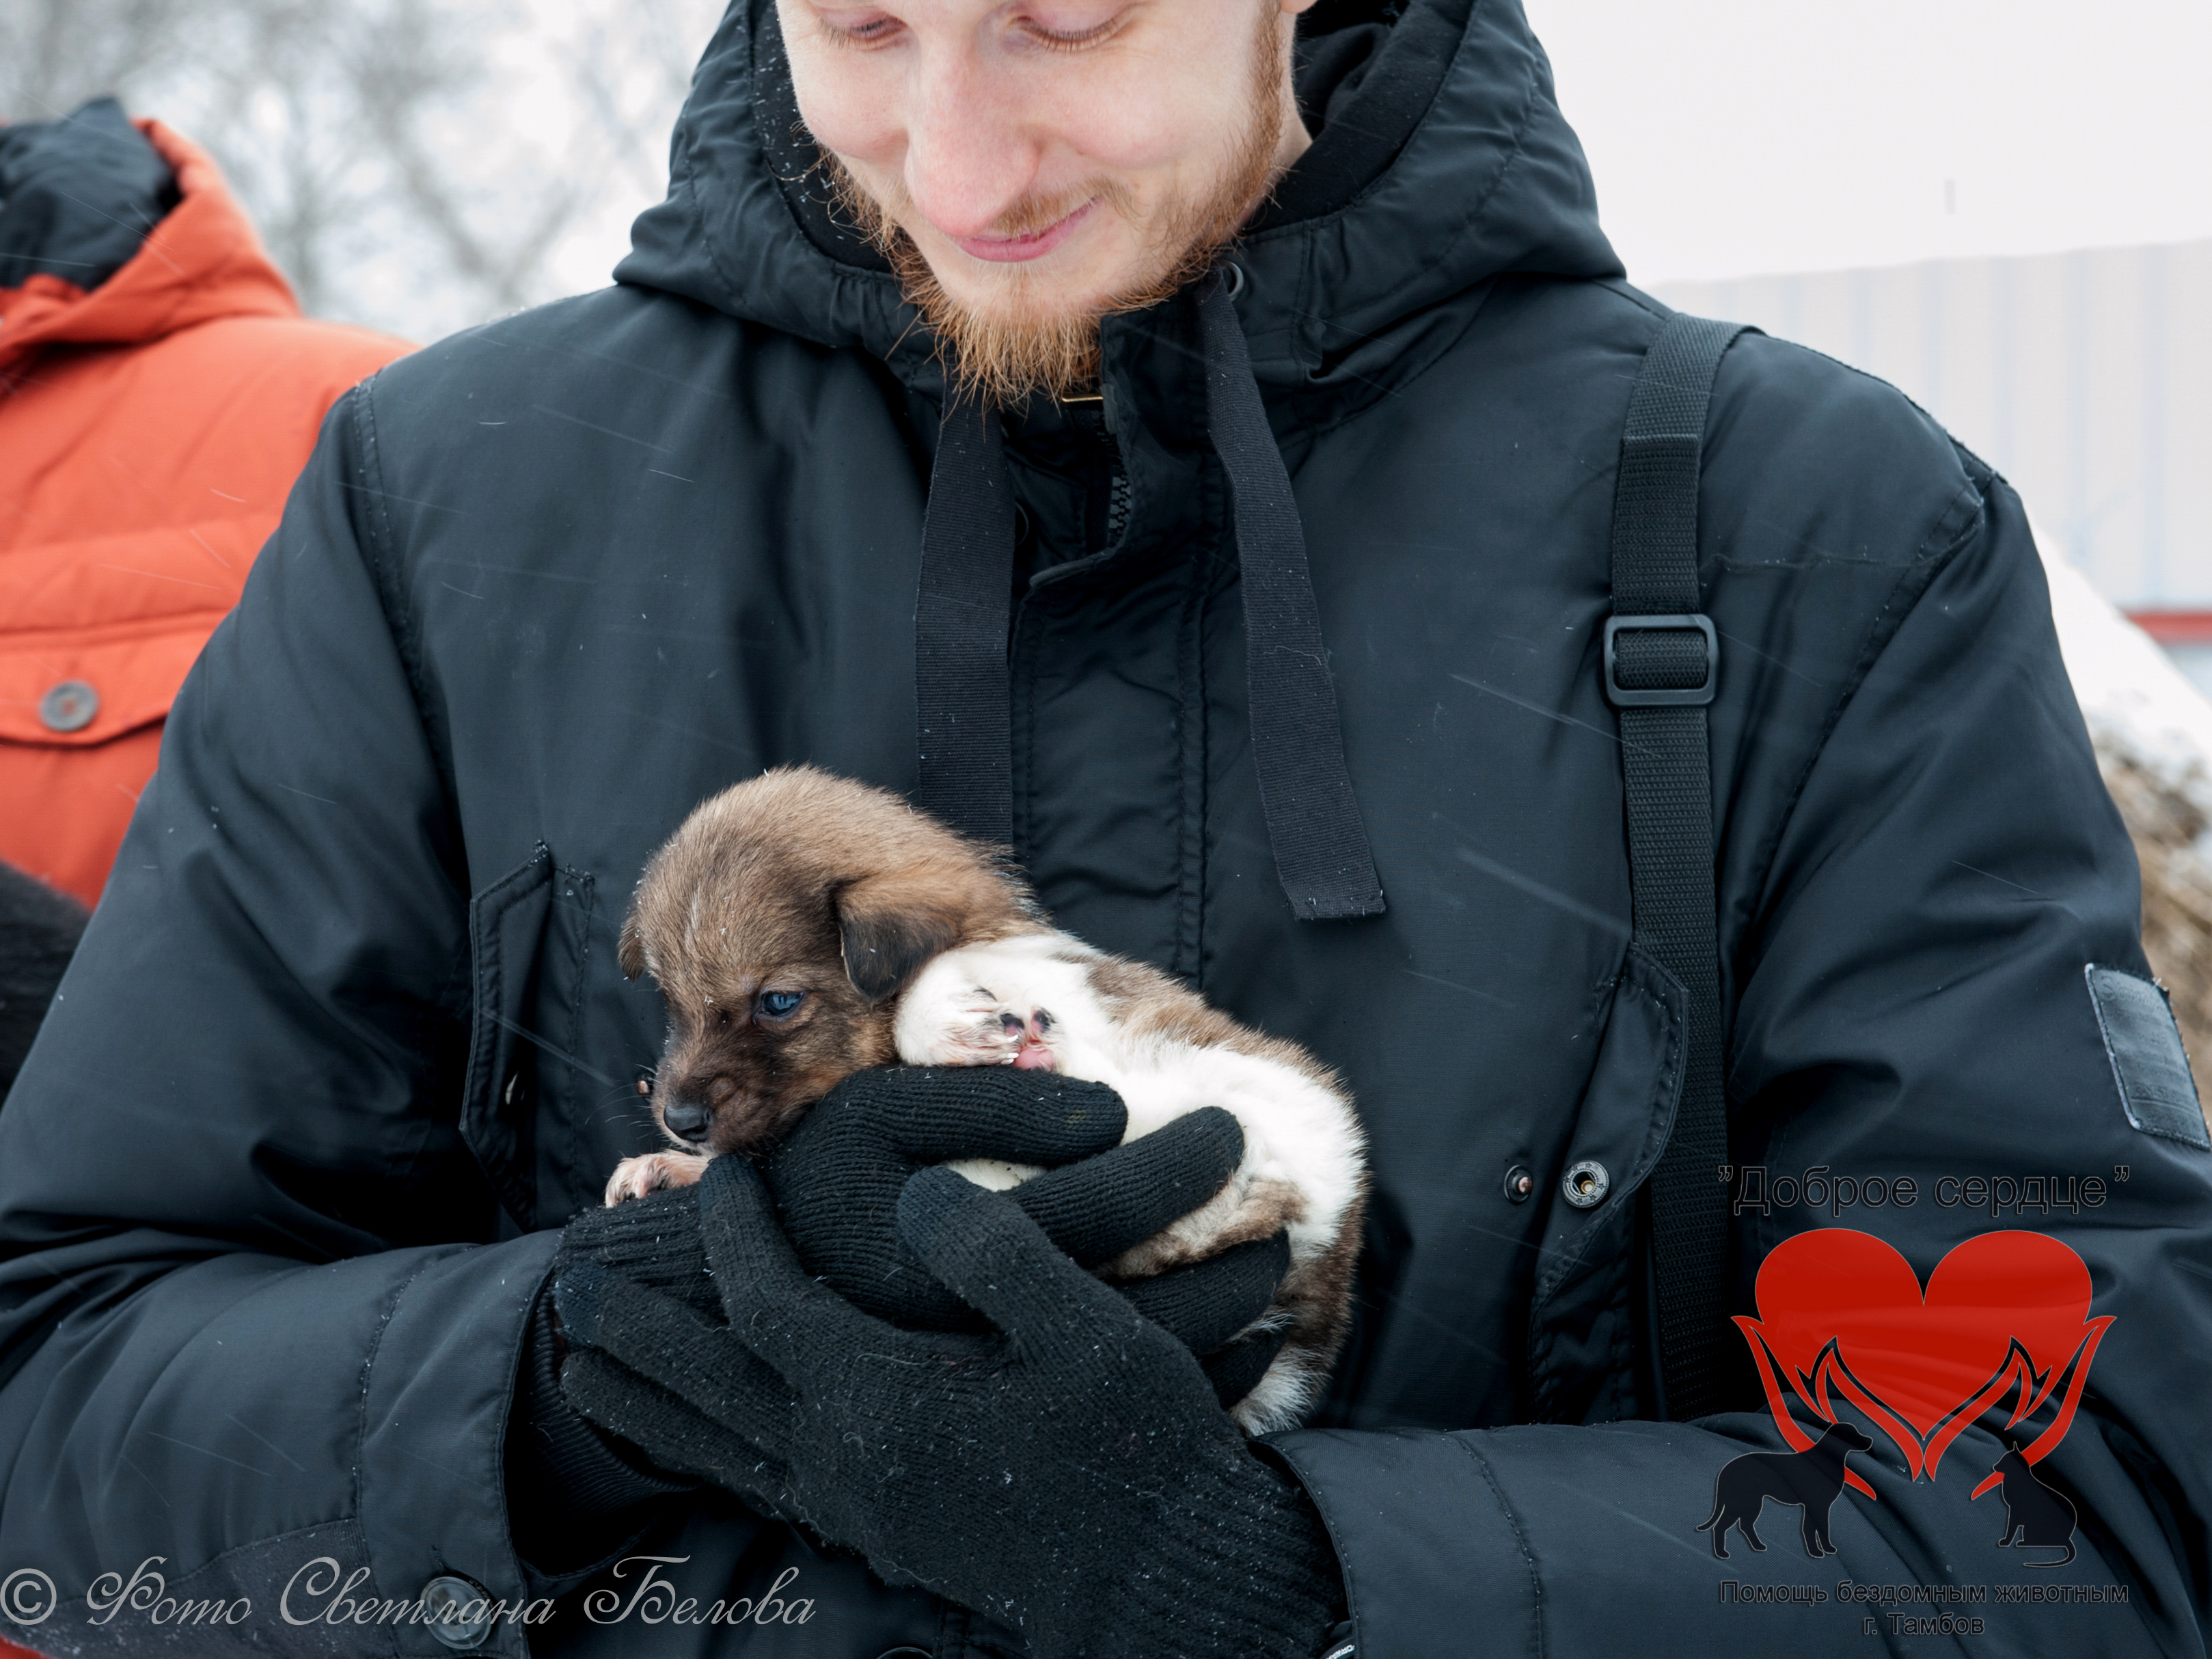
x=836, y=1179
x=1067, y=1471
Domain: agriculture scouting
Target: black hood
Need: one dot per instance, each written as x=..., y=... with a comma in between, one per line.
x=77, y=196
x=1440, y=159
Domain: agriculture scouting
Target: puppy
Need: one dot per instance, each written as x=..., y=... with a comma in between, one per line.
x=803, y=927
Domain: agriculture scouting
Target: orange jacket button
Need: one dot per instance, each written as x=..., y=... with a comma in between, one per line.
x=69, y=707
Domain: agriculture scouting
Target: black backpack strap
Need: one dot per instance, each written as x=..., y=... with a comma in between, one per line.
x=1662, y=666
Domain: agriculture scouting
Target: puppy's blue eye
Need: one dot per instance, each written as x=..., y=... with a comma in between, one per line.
x=780, y=1005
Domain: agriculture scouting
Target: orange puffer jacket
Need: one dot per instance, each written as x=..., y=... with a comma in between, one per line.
x=148, y=432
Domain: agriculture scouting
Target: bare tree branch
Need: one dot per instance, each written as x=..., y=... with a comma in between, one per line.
x=415, y=164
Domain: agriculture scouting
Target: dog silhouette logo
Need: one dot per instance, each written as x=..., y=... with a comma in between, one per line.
x=2036, y=1517
x=1810, y=1479
x=2002, y=1326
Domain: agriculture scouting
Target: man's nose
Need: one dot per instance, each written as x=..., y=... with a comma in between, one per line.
x=970, y=156
x=687, y=1117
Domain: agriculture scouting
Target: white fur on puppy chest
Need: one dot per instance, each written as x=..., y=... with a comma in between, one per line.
x=1298, y=1133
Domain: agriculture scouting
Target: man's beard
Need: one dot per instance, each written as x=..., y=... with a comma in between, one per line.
x=1018, y=346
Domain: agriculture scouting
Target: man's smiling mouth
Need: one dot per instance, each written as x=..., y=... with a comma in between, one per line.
x=1032, y=245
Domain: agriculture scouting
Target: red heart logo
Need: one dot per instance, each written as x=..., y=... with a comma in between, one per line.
x=1841, y=1310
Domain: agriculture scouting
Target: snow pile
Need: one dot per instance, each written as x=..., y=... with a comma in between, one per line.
x=2153, y=730
x=2130, y=693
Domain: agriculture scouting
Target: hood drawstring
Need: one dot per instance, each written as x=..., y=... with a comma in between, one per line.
x=963, y=692
x=1322, y=856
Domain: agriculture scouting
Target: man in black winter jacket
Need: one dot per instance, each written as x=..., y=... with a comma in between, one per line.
x=346, y=1055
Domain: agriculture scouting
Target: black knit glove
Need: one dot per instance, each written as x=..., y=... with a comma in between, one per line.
x=836, y=1180
x=573, y=1494
x=1067, y=1471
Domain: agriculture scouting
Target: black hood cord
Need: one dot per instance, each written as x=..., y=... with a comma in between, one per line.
x=1298, y=744
x=963, y=692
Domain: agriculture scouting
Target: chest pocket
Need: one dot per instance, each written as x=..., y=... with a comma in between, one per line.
x=1582, y=1317
x=529, y=938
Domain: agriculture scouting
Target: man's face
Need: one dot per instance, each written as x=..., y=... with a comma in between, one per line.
x=1032, y=166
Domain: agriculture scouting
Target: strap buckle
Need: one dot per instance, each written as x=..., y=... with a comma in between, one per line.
x=1622, y=697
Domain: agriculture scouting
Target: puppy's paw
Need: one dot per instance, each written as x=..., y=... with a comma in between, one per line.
x=973, y=1028
x=655, y=1172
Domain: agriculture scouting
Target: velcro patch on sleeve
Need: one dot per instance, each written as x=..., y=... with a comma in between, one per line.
x=2157, y=1090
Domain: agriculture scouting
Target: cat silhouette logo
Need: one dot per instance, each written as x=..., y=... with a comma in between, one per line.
x=2036, y=1517
x=1842, y=1316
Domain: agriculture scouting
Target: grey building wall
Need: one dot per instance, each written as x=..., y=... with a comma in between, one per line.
x=2086, y=378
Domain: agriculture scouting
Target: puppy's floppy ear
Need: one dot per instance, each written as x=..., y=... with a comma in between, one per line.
x=629, y=951
x=887, y=930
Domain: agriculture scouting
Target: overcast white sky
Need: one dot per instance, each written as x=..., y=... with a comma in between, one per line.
x=1732, y=137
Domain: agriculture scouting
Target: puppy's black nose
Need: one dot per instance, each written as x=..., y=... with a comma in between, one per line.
x=687, y=1120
